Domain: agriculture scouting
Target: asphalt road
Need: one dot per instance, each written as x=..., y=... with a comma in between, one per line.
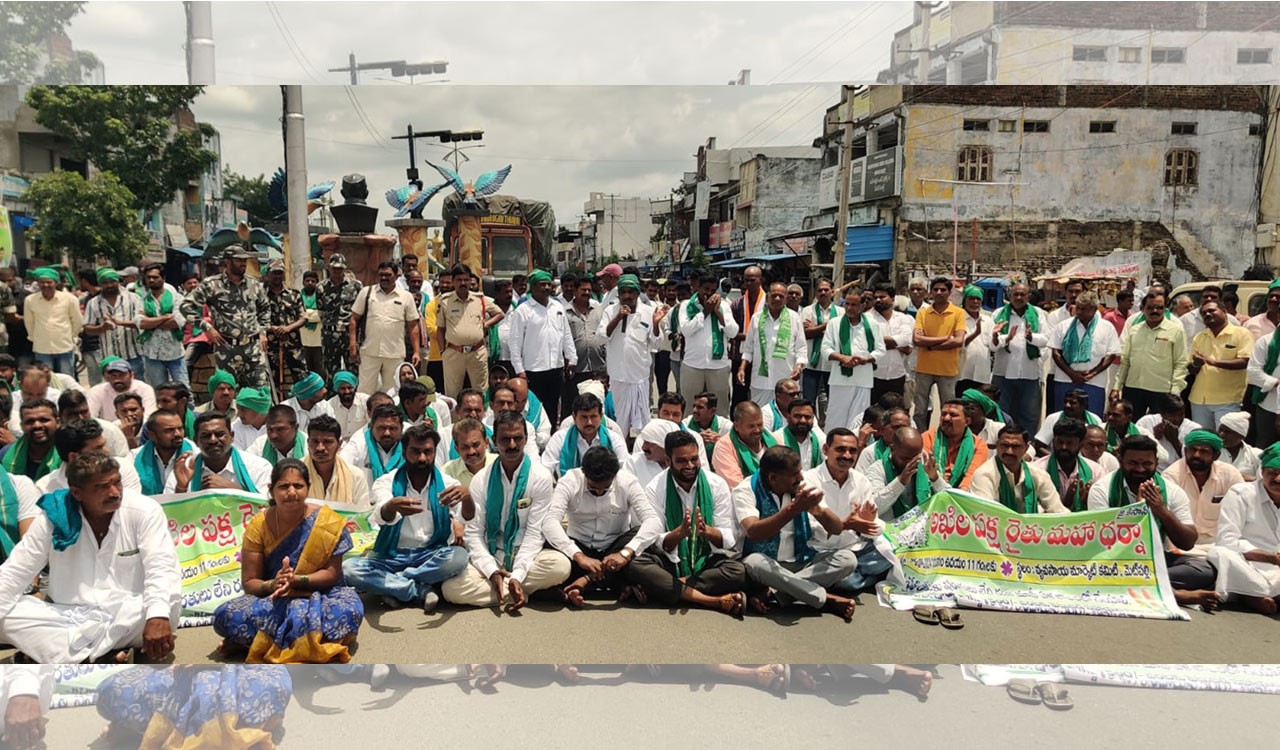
x=604, y=712
x=605, y=633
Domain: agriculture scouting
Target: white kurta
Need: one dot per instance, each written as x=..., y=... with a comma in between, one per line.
x=531, y=506
x=322, y=408
x=777, y=367
x=259, y=472
x=722, y=518
x=816, y=436
x=551, y=456
x=243, y=435
x=418, y=528
x=842, y=498
x=353, y=418
x=1248, y=521
x=975, y=358
x=104, y=593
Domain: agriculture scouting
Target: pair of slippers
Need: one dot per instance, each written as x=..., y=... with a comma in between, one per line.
x=947, y=617
x=1052, y=694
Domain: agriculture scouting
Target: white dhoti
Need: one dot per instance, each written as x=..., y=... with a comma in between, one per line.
x=846, y=405
x=631, y=406
x=1237, y=575
x=471, y=589
x=68, y=633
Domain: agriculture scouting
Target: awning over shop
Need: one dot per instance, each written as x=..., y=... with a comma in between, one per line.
x=868, y=243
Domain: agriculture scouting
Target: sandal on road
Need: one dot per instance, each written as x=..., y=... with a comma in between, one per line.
x=1024, y=691
x=1055, y=696
x=925, y=613
x=949, y=618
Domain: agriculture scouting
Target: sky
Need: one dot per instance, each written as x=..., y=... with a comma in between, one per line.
x=562, y=142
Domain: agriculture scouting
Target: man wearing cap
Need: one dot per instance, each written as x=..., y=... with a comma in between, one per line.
x=53, y=322
x=773, y=348
x=633, y=331
x=113, y=318
x=119, y=377
x=391, y=317
x=542, y=346
x=284, y=344
x=222, y=394
x=348, y=404
x=1247, y=552
x=306, y=398
x=1233, y=428
x=463, y=321
x=160, y=325
x=982, y=413
x=335, y=297
x=250, y=424
x=1205, y=478
x=608, y=278
x=240, y=317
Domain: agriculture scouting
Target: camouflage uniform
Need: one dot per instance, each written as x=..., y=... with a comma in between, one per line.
x=334, y=304
x=241, y=314
x=286, y=309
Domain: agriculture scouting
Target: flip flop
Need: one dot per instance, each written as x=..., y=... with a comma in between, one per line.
x=1024, y=691
x=1055, y=696
x=925, y=613
x=949, y=618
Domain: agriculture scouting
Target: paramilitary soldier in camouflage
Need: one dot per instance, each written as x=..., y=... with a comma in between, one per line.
x=240, y=312
x=284, y=344
x=334, y=298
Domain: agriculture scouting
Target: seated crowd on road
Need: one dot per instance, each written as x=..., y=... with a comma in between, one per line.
x=784, y=437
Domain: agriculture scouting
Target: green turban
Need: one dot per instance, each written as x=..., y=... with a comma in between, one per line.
x=221, y=377
x=256, y=399
x=107, y=274
x=629, y=281
x=345, y=377
x=982, y=401
x=1273, y=285
x=1271, y=457
x=102, y=366
x=972, y=291
x=539, y=275
x=1203, y=437
x=44, y=272
x=309, y=386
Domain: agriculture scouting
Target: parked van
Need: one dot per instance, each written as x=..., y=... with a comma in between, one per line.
x=1253, y=294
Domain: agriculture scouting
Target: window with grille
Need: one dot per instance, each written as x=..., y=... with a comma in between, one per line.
x=1098, y=126
x=1183, y=128
x=1181, y=167
x=1089, y=54
x=1035, y=126
x=1168, y=55
x=1130, y=54
x=1253, y=56
x=974, y=164
x=983, y=125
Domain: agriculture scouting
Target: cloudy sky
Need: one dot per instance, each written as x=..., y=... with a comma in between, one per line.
x=563, y=142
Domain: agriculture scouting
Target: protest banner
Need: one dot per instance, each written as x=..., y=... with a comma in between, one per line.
x=962, y=550
x=207, y=529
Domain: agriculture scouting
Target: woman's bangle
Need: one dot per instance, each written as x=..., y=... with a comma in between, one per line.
x=304, y=580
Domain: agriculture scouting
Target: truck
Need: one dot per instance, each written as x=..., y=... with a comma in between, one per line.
x=516, y=235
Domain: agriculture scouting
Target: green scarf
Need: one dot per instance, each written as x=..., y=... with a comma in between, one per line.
x=746, y=461
x=494, y=524
x=1113, y=439
x=299, y=449
x=963, y=457
x=1031, y=316
x=846, y=340
x=1010, y=500
x=1076, y=349
x=569, y=457
x=919, y=491
x=815, y=453
x=153, y=310
x=1116, y=497
x=694, y=550
x=309, y=303
x=237, y=464
x=8, y=515
x=715, y=427
x=717, y=333
x=15, y=461
x=815, y=356
x=780, y=345
x=1268, y=367
x=1083, y=473
x=149, y=469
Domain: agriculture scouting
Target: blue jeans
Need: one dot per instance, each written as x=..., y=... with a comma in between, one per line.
x=1208, y=415
x=1020, y=399
x=160, y=371
x=64, y=363
x=872, y=566
x=408, y=574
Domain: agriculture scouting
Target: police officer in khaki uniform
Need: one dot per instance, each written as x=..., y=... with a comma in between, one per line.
x=463, y=322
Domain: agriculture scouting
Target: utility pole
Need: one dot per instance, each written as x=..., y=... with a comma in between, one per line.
x=842, y=215
x=671, y=228
x=925, y=11
x=613, y=220
x=200, y=69
x=295, y=167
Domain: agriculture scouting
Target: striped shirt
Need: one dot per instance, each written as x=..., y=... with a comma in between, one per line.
x=117, y=341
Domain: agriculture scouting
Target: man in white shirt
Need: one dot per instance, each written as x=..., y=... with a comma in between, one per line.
x=154, y=460
x=1019, y=338
x=852, y=344
x=632, y=332
x=1193, y=323
x=983, y=415
x=1170, y=427
x=19, y=506
x=600, y=518
x=1191, y=576
x=975, y=355
x=392, y=317
x=307, y=399
x=332, y=479
x=709, y=425
x=1247, y=552
x=419, y=513
x=33, y=385
x=775, y=511
x=218, y=464
x=283, y=438
x=527, y=404
x=1094, y=448
x=906, y=477
x=349, y=406
x=1007, y=478
x=896, y=330
x=26, y=691
x=114, y=575
x=504, y=540
x=118, y=377
x=567, y=446
x=802, y=434
x=848, y=494
x=649, y=459
x=692, y=559
x=1084, y=348
x=707, y=326
x=375, y=448
x=81, y=436
x=73, y=405
x=1075, y=403
x=1233, y=428
x=1070, y=472
x=775, y=412
x=773, y=348
x=1263, y=371
x=542, y=348
x=876, y=448
x=816, y=317
x=252, y=405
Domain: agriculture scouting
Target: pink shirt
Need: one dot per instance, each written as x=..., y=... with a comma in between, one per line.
x=102, y=399
x=1206, y=502
x=1115, y=318
x=1259, y=326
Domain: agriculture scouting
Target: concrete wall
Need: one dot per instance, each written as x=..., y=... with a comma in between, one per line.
x=1072, y=175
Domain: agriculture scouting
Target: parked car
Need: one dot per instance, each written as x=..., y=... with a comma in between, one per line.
x=1253, y=294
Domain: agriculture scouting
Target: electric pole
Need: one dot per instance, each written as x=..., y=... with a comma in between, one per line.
x=200, y=70
x=842, y=215
x=295, y=168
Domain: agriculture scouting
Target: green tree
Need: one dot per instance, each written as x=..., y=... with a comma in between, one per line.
x=130, y=132
x=86, y=218
x=24, y=31
x=251, y=193
x=698, y=258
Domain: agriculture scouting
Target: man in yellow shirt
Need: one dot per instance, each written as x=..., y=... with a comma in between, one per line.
x=435, y=365
x=1153, y=359
x=1219, y=356
x=53, y=322
x=939, y=337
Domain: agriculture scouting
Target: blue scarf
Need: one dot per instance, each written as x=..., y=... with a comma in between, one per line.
x=63, y=511
x=609, y=411
x=237, y=463
x=394, y=461
x=149, y=469
x=388, y=540
x=533, y=410
x=569, y=458
x=1077, y=349
x=778, y=421
x=767, y=507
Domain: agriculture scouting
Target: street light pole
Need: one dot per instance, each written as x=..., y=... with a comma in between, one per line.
x=842, y=216
x=200, y=69
x=295, y=167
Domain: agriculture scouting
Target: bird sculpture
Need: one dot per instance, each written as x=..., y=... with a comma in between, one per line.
x=488, y=184
x=255, y=237
x=470, y=240
x=277, y=195
x=411, y=199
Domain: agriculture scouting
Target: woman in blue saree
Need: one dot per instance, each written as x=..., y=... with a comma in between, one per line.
x=196, y=707
x=296, y=609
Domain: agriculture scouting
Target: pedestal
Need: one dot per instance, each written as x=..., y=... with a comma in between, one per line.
x=363, y=252
x=415, y=240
